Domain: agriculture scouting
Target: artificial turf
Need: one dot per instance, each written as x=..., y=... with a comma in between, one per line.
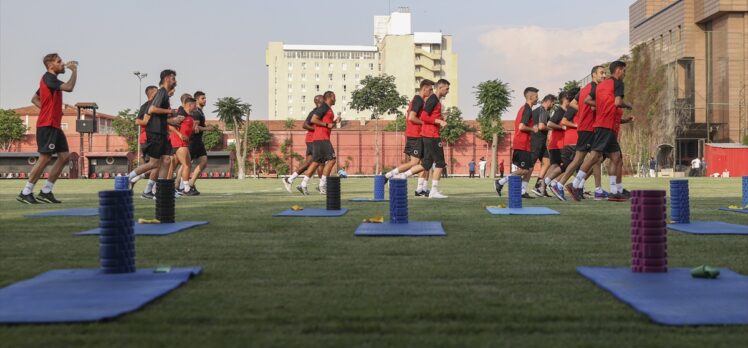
x=493, y=281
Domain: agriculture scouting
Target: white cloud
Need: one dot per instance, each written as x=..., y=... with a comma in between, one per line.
x=546, y=57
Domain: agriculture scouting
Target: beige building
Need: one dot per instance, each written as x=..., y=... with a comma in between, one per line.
x=296, y=73
x=704, y=45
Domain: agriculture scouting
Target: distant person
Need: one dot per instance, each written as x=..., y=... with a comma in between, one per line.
x=703, y=167
x=695, y=167
x=471, y=168
x=482, y=167
x=652, y=167
x=342, y=173
x=50, y=138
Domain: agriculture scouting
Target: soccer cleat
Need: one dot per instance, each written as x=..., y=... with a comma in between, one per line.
x=573, y=191
x=27, y=199
x=188, y=193
x=286, y=184
x=559, y=193
x=303, y=190
x=616, y=197
x=527, y=196
x=421, y=193
x=580, y=192
x=536, y=191
x=47, y=197
x=499, y=187
x=626, y=194
x=148, y=195
x=545, y=192
x=436, y=195
x=601, y=196
x=322, y=189
x=197, y=193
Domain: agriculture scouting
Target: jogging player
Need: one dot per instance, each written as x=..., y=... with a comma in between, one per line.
x=141, y=121
x=180, y=142
x=556, y=141
x=539, y=142
x=324, y=120
x=309, y=140
x=198, y=152
x=522, y=157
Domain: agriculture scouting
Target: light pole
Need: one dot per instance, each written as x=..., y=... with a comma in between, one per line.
x=140, y=77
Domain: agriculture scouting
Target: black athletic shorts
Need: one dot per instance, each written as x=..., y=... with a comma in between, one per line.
x=197, y=149
x=51, y=140
x=605, y=141
x=157, y=145
x=433, y=152
x=567, y=155
x=143, y=154
x=538, y=150
x=584, y=143
x=323, y=151
x=522, y=159
x=310, y=149
x=414, y=147
x=555, y=156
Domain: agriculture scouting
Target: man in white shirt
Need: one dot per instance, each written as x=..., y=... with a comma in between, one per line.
x=482, y=167
x=695, y=167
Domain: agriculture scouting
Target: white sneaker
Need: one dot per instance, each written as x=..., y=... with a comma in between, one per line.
x=437, y=195
x=286, y=184
x=323, y=190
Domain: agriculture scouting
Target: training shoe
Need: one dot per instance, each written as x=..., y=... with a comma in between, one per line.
x=527, y=196
x=601, y=196
x=27, y=199
x=188, y=193
x=580, y=192
x=436, y=195
x=536, y=191
x=499, y=187
x=195, y=192
x=559, y=193
x=616, y=197
x=421, y=193
x=626, y=194
x=148, y=195
x=47, y=197
x=572, y=191
x=322, y=190
x=286, y=184
x=545, y=192
x=303, y=190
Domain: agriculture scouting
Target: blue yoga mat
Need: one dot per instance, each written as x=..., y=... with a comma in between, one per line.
x=67, y=212
x=709, y=227
x=153, y=229
x=675, y=298
x=522, y=211
x=411, y=229
x=78, y=295
x=312, y=212
x=369, y=200
x=744, y=211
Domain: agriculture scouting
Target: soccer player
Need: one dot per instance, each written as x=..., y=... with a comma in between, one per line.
x=174, y=132
x=583, y=121
x=157, y=144
x=50, y=138
x=522, y=157
x=607, y=98
x=539, y=143
x=414, y=142
x=433, y=150
x=197, y=147
x=142, y=121
x=324, y=120
x=556, y=142
x=309, y=140
x=180, y=141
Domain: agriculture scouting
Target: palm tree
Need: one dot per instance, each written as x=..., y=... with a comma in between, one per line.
x=232, y=112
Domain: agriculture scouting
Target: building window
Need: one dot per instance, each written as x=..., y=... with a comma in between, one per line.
x=290, y=98
x=290, y=66
x=303, y=99
x=303, y=88
x=345, y=89
x=329, y=87
x=329, y=76
x=290, y=111
x=358, y=67
x=371, y=66
x=344, y=76
x=303, y=66
x=329, y=66
x=290, y=77
x=303, y=77
x=358, y=77
x=316, y=66
x=317, y=88
x=345, y=66
x=316, y=76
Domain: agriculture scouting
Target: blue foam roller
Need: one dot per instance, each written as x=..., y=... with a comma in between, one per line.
x=122, y=183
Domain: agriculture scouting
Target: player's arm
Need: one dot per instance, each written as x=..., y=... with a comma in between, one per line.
x=555, y=123
x=175, y=120
x=415, y=109
x=159, y=100
x=590, y=101
x=317, y=117
x=308, y=126
x=618, y=91
x=568, y=124
x=428, y=118
x=70, y=84
x=574, y=104
x=143, y=121
x=526, y=118
x=623, y=104
x=627, y=119
x=36, y=100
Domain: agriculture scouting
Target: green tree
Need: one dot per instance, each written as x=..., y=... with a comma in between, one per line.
x=234, y=114
x=213, y=138
x=398, y=125
x=124, y=125
x=258, y=136
x=568, y=86
x=12, y=129
x=378, y=95
x=453, y=131
x=493, y=98
x=289, y=155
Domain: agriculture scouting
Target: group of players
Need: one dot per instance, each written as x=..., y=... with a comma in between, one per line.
x=169, y=137
x=423, y=145
x=584, y=131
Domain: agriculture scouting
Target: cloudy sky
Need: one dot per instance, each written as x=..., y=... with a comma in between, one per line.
x=219, y=45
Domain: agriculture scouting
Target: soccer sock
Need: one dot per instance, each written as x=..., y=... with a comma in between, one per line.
x=181, y=185
x=293, y=177
x=435, y=185
x=620, y=187
x=305, y=181
x=579, y=179
x=392, y=173
x=613, y=187
x=408, y=173
x=28, y=188
x=186, y=185
x=554, y=183
x=524, y=186
x=149, y=186
x=323, y=181
x=47, y=188
x=132, y=176
x=503, y=180
x=547, y=181
x=421, y=185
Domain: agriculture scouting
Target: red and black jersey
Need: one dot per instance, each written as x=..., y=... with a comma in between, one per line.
x=605, y=100
x=141, y=115
x=556, y=141
x=325, y=114
x=570, y=134
x=522, y=139
x=50, y=114
x=430, y=113
x=585, y=116
x=309, y=133
x=617, y=126
x=413, y=130
x=186, y=128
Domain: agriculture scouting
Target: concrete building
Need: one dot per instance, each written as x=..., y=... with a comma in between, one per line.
x=296, y=73
x=704, y=45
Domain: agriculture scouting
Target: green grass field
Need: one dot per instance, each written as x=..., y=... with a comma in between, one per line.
x=494, y=281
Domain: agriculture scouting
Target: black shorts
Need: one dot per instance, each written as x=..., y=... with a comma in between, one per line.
x=522, y=159
x=584, y=143
x=143, y=154
x=605, y=141
x=414, y=147
x=567, y=155
x=51, y=140
x=555, y=156
x=157, y=145
x=433, y=153
x=323, y=151
x=197, y=149
x=309, y=149
x=538, y=150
